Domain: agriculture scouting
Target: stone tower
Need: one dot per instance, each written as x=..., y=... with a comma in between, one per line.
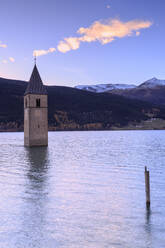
x=35, y=112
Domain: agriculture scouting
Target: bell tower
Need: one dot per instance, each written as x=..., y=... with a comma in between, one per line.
x=35, y=112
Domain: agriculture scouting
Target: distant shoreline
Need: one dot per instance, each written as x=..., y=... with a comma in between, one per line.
x=150, y=124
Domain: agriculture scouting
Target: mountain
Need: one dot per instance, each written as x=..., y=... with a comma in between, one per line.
x=74, y=109
x=101, y=88
x=152, y=90
x=152, y=83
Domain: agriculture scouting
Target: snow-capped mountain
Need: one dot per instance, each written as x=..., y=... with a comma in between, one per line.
x=100, y=88
x=152, y=83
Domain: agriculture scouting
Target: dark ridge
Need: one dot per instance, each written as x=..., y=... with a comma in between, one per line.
x=154, y=95
x=74, y=109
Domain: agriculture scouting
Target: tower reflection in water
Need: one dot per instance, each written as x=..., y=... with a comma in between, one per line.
x=34, y=209
x=37, y=158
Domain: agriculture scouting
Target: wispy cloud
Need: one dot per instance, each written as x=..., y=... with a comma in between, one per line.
x=2, y=45
x=108, y=6
x=103, y=32
x=71, y=43
x=12, y=59
x=43, y=52
x=4, y=61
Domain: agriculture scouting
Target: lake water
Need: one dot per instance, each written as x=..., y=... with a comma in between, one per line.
x=85, y=190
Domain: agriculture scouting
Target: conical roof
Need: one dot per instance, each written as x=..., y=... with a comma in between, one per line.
x=35, y=85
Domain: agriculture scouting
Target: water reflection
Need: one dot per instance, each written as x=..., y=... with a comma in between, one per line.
x=75, y=194
x=37, y=157
x=148, y=228
x=35, y=198
x=148, y=215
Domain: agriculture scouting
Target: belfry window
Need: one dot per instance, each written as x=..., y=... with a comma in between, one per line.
x=25, y=103
x=37, y=103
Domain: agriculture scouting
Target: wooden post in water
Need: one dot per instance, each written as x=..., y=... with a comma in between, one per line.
x=147, y=187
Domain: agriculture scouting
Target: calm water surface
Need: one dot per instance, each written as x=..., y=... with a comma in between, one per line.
x=85, y=190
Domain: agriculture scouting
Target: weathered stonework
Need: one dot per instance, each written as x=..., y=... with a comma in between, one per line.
x=35, y=114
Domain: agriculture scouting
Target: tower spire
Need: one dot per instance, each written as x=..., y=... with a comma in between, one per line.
x=35, y=58
x=35, y=85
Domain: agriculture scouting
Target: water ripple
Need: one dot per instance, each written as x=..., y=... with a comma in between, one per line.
x=85, y=190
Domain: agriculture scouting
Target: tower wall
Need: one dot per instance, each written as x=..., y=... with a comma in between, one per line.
x=35, y=120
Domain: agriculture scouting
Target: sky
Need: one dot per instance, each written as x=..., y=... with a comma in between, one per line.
x=83, y=42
